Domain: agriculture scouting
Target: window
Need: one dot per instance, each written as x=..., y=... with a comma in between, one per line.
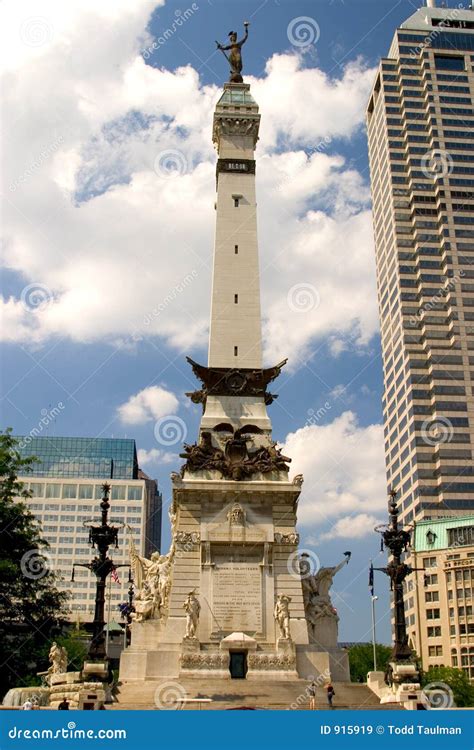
x=449, y=62
x=429, y=562
x=118, y=492
x=53, y=490
x=70, y=491
x=236, y=249
x=435, y=651
x=236, y=201
x=461, y=536
x=431, y=596
x=134, y=493
x=37, y=488
x=86, y=491
x=434, y=632
x=236, y=299
x=432, y=614
x=236, y=351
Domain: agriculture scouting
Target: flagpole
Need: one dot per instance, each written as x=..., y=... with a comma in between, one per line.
x=108, y=616
x=373, y=600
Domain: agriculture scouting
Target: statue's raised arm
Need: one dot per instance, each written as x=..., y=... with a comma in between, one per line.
x=235, y=57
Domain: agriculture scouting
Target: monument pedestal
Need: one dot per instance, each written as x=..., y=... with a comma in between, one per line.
x=331, y=665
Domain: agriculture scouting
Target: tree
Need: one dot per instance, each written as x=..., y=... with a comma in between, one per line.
x=361, y=660
x=454, y=680
x=31, y=607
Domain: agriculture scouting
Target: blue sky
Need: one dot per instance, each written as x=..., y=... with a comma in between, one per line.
x=98, y=234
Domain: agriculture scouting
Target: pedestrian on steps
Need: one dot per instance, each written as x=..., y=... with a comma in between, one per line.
x=330, y=694
x=312, y=696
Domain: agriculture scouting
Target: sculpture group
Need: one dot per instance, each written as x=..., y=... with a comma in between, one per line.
x=317, y=601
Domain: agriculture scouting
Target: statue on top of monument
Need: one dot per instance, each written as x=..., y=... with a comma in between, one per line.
x=235, y=57
x=193, y=609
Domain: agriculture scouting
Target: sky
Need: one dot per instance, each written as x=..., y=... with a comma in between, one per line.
x=108, y=196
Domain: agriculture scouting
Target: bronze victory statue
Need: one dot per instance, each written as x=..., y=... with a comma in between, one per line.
x=235, y=56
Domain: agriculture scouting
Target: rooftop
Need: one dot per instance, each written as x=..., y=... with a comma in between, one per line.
x=99, y=458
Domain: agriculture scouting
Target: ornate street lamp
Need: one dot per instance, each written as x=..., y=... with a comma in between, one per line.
x=101, y=536
x=397, y=540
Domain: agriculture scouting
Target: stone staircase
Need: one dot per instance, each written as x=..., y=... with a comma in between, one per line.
x=187, y=692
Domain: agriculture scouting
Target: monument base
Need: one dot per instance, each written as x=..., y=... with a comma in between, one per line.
x=405, y=688
x=312, y=663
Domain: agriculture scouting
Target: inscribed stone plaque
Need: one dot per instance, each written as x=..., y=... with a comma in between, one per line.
x=237, y=595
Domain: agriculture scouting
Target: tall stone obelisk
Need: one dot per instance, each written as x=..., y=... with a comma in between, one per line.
x=227, y=600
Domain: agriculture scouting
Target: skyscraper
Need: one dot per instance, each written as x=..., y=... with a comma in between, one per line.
x=420, y=126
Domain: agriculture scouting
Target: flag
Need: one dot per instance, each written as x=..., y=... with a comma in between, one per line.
x=115, y=577
x=371, y=579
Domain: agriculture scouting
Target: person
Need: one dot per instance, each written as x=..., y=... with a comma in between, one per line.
x=27, y=705
x=64, y=705
x=330, y=694
x=312, y=696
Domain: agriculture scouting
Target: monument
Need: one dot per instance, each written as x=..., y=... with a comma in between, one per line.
x=229, y=600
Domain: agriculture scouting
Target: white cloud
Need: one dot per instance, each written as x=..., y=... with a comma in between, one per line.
x=91, y=216
x=351, y=527
x=155, y=457
x=344, y=472
x=150, y=403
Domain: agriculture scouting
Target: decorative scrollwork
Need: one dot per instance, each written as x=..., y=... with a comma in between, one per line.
x=272, y=661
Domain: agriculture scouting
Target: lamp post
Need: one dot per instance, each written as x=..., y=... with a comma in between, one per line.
x=374, y=599
x=397, y=540
x=101, y=536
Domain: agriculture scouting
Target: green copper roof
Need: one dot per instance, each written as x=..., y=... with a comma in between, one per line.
x=237, y=96
x=440, y=537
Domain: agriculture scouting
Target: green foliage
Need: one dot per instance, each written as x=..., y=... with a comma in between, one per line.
x=75, y=642
x=361, y=660
x=30, y=604
x=456, y=679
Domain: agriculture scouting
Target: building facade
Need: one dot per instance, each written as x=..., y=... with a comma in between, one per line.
x=443, y=633
x=66, y=487
x=420, y=119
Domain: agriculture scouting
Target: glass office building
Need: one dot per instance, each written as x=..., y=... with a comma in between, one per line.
x=104, y=458
x=66, y=488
